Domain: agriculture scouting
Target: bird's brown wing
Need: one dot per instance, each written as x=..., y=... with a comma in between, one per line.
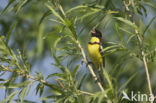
x=100, y=49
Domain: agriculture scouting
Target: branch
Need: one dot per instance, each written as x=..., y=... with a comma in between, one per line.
x=86, y=93
x=145, y=63
x=142, y=53
x=3, y=68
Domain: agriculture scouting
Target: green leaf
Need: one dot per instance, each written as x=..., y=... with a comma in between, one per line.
x=39, y=74
x=130, y=38
x=146, y=28
x=120, y=35
x=14, y=85
x=58, y=63
x=126, y=22
x=81, y=81
x=75, y=71
x=75, y=8
x=126, y=83
x=41, y=89
x=22, y=94
x=88, y=14
x=101, y=95
x=37, y=88
x=126, y=31
x=10, y=2
x=40, y=41
x=108, y=79
x=21, y=4
x=55, y=13
x=47, y=13
x=56, y=21
x=10, y=32
x=151, y=4
x=110, y=48
x=70, y=25
x=55, y=74
x=9, y=97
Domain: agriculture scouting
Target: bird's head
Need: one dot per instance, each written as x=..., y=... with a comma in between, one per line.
x=96, y=33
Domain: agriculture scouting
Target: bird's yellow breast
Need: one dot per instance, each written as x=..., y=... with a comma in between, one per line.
x=94, y=39
x=94, y=53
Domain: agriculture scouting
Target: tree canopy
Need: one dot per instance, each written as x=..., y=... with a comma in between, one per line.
x=43, y=45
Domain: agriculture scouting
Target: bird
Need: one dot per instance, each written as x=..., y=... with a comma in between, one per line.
x=95, y=53
x=95, y=48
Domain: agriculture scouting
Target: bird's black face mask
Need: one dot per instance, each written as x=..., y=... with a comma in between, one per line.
x=96, y=33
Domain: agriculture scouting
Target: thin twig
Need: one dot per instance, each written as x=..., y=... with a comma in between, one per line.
x=86, y=93
x=145, y=64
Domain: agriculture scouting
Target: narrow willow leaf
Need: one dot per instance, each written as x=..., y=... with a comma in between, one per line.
x=81, y=81
x=111, y=12
x=75, y=8
x=146, y=28
x=75, y=71
x=114, y=50
x=101, y=98
x=40, y=41
x=98, y=94
x=120, y=35
x=55, y=74
x=10, y=32
x=2, y=73
x=56, y=21
x=21, y=4
x=126, y=31
x=130, y=38
x=108, y=79
x=55, y=13
x=37, y=88
x=126, y=83
x=2, y=79
x=56, y=42
x=149, y=4
x=22, y=94
x=39, y=74
x=41, y=89
x=47, y=13
x=9, y=97
x=15, y=85
x=10, y=2
x=87, y=15
x=126, y=22
x=70, y=25
x=110, y=47
x=58, y=63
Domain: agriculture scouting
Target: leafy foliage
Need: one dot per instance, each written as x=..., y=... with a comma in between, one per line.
x=32, y=30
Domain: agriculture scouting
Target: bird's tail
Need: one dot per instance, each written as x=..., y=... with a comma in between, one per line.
x=100, y=73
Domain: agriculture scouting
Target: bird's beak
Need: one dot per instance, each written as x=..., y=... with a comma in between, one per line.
x=93, y=31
